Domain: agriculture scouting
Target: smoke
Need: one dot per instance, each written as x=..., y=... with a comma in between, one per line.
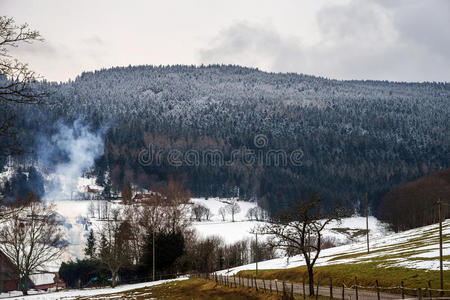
x=68, y=154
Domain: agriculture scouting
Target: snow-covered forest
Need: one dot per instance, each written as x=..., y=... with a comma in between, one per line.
x=355, y=136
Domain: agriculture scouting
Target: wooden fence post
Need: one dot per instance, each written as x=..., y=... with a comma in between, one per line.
x=343, y=291
x=378, y=289
x=252, y=281
x=284, y=290
x=304, y=290
x=356, y=287
x=292, y=291
x=264, y=285
x=270, y=285
x=276, y=286
x=256, y=284
x=331, y=288
x=234, y=279
x=419, y=292
x=317, y=290
x=429, y=289
x=403, y=290
x=248, y=281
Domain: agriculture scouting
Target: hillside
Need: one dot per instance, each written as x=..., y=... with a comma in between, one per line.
x=349, y=137
x=414, y=204
x=413, y=249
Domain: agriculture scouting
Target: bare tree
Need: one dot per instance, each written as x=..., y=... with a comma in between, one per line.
x=16, y=81
x=233, y=208
x=300, y=230
x=252, y=214
x=223, y=212
x=112, y=245
x=175, y=199
x=104, y=209
x=200, y=212
x=91, y=209
x=127, y=193
x=31, y=238
x=208, y=214
x=141, y=219
x=257, y=213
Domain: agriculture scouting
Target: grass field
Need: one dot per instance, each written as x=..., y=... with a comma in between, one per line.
x=193, y=288
x=367, y=274
x=411, y=256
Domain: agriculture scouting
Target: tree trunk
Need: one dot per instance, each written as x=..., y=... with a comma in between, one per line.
x=113, y=279
x=311, y=281
x=24, y=285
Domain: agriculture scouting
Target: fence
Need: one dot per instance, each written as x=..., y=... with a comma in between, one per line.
x=287, y=290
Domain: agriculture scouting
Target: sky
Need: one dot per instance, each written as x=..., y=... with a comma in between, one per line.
x=397, y=40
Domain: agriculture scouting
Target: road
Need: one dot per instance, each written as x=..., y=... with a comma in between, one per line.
x=349, y=294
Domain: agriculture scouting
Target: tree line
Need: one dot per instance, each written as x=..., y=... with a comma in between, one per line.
x=153, y=235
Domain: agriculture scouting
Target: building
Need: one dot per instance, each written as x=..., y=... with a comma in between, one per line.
x=150, y=198
x=8, y=274
x=9, y=282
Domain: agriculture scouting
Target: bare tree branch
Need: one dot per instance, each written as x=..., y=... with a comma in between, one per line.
x=300, y=229
x=31, y=238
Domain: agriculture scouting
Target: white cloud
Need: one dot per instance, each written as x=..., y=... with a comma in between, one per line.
x=357, y=40
x=407, y=40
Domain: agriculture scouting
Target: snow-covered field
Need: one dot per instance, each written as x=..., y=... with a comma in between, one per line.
x=77, y=224
x=343, y=232
x=417, y=248
x=73, y=294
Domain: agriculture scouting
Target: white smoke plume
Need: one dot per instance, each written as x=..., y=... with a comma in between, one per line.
x=80, y=146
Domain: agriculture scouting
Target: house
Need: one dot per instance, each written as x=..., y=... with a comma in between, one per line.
x=150, y=198
x=46, y=281
x=8, y=274
x=92, y=191
x=9, y=282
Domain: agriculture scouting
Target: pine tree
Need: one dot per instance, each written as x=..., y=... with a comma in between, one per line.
x=103, y=251
x=90, y=245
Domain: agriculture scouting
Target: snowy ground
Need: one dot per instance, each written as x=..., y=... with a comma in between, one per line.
x=73, y=294
x=417, y=248
x=347, y=231
x=77, y=224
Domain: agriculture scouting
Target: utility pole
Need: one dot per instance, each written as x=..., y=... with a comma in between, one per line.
x=153, y=254
x=367, y=221
x=256, y=252
x=441, y=270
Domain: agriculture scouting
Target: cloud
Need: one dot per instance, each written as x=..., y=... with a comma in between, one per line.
x=256, y=45
x=94, y=40
x=45, y=49
x=408, y=41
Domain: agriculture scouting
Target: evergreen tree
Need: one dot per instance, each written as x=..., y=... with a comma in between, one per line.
x=169, y=246
x=103, y=247
x=90, y=248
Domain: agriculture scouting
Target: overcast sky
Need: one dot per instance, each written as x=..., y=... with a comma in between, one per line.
x=405, y=40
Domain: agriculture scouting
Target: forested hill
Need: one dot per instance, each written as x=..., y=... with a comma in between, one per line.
x=355, y=136
x=414, y=204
